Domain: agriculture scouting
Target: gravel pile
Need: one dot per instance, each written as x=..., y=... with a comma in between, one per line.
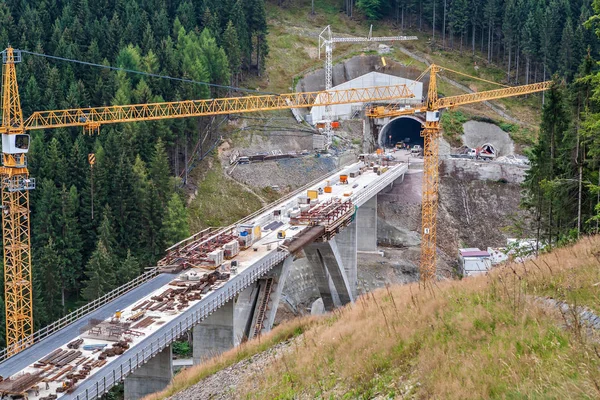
x=223, y=384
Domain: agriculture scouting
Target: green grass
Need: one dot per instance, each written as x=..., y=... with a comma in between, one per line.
x=452, y=125
x=219, y=201
x=482, y=337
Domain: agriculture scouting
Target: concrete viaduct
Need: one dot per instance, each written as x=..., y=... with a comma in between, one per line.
x=241, y=304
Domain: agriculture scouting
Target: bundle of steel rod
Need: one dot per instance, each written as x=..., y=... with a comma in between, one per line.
x=20, y=384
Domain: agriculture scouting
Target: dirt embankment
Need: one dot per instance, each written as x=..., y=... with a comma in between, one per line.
x=475, y=210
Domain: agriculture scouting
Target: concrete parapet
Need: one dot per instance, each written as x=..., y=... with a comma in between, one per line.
x=151, y=377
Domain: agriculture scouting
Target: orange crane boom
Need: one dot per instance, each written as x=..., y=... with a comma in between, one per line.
x=16, y=183
x=431, y=132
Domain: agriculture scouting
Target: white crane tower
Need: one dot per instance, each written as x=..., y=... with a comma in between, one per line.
x=327, y=40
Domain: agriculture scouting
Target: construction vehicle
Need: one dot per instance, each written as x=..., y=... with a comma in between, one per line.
x=416, y=150
x=431, y=109
x=281, y=235
x=16, y=182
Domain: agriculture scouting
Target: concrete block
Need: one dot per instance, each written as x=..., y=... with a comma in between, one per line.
x=151, y=377
x=366, y=221
x=215, y=334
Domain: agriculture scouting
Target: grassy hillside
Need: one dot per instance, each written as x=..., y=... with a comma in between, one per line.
x=486, y=337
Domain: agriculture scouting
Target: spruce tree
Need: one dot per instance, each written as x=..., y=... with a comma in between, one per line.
x=99, y=273
x=175, y=224
x=128, y=269
x=231, y=44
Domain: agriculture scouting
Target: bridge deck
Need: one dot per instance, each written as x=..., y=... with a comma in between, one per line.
x=253, y=263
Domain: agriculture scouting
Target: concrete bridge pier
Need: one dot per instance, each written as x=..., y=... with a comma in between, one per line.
x=151, y=377
x=347, y=242
x=366, y=225
x=329, y=271
x=253, y=310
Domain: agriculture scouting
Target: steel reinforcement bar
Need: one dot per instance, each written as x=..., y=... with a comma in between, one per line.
x=80, y=312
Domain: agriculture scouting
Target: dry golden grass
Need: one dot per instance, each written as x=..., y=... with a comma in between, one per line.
x=193, y=375
x=478, y=338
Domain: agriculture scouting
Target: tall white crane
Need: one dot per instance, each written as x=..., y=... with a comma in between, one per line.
x=327, y=40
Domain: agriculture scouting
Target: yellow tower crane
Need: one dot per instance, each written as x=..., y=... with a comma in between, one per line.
x=16, y=182
x=431, y=133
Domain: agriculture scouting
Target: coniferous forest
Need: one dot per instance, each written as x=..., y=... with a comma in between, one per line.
x=94, y=229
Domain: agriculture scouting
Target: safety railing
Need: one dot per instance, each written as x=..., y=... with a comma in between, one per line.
x=94, y=305
x=80, y=312
x=386, y=178
x=114, y=372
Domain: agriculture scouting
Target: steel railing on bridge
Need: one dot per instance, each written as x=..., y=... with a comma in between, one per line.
x=114, y=372
x=81, y=312
x=145, y=277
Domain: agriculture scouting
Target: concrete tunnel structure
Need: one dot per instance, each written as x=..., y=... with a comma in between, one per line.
x=405, y=129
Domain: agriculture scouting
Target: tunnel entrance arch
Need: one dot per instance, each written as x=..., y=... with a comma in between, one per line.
x=405, y=129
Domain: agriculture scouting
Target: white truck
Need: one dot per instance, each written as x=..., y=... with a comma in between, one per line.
x=416, y=150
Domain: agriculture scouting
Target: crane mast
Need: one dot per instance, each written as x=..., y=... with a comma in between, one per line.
x=327, y=40
x=15, y=210
x=431, y=134
x=16, y=183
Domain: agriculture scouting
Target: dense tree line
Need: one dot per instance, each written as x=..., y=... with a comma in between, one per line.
x=532, y=38
x=563, y=184
x=96, y=228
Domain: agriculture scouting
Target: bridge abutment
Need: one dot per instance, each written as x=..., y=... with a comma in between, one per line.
x=151, y=377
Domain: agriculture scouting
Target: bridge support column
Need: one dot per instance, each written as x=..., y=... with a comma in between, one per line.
x=328, y=268
x=279, y=274
x=346, y=242
x=366, y=221
x=151, y=377
x=215, y=334
x=253, y=309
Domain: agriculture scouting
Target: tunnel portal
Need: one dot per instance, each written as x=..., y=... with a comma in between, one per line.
x=405, y=129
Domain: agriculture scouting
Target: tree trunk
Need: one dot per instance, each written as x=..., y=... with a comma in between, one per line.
x=433, y=22
x=420, y=15
x=482, y=37
x=527, y=70
x=490, y=43
x=312, y=7
x=444, y=26
x=517, y=70
x=473, y=39
x=509, y=63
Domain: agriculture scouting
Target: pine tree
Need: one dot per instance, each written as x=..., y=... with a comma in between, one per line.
x=175, y=225
x=231, y=44
x=99, y=273
x=47, y=268
x=128, y=269
x=160, y=173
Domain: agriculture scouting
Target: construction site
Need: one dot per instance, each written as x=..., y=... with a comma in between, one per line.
x=359, y=209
